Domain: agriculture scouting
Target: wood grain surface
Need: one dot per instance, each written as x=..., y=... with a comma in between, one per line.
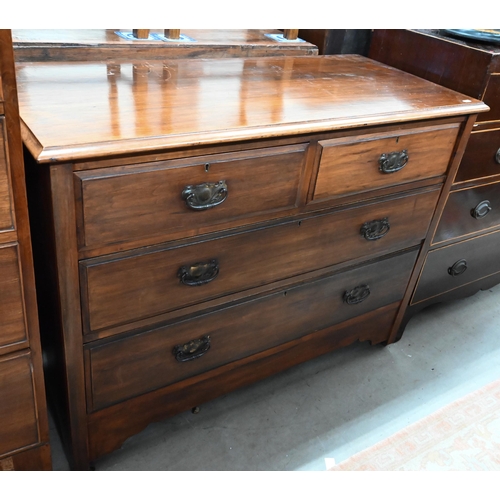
x=122, y=204
x=74, y=111
x=129, y=286
x=241, y=331
x=18, y=412
x=13, y=327
x=6, y=209
x=352, y=165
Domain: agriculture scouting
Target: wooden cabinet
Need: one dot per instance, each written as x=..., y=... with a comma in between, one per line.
x=462, y=258
x=197, y=236
x=24, y=438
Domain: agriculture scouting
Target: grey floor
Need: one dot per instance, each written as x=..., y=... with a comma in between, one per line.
x=329, y=408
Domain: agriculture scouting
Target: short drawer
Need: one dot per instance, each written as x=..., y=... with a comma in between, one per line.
x=124, y=368
x=12, y=319
x=137, y=285
x=17, y=409
x=481, y=157
x=458, y=264
x=186, y=197
x=6, y=216
x=468, y=211
x=364, y=163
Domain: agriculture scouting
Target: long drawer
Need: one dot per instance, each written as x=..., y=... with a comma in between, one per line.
x=13, y=328
x=184, y=197
x=365, y=163
x=468, y=211
x=121, y=369
x=6, y=216
x=458, y=264
x=132, y=286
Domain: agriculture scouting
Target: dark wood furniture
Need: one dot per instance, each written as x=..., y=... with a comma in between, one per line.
x=100, y=45
x=463, y=257
x=204, y=224
x=24, y=435
x=335, y=41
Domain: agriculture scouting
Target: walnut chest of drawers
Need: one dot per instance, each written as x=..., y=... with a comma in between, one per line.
x=200, y=225
x=24, y=434
x=463, y=256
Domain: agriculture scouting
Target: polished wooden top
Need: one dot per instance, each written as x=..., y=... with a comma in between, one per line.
x=74, y=111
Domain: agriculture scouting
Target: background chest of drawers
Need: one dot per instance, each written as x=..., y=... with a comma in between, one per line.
x=200, y=225
x=463, y=256
x=24, y=439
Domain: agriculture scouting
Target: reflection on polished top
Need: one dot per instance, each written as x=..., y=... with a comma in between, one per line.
x=75, y=111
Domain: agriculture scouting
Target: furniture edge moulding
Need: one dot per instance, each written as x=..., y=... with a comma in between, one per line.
x=64, y=154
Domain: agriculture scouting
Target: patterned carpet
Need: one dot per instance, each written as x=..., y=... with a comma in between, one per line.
x=463, y=436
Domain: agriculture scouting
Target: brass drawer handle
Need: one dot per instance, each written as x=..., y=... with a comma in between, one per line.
x=357, y=295
x=393, y=162
x=497, y=156
x=192, y=349
x=205, y=196
x=458, y=268
x=375, y=229
x=481, y=210
x=199, y=273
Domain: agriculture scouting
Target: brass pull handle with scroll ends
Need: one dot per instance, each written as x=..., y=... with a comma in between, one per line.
x=205, y=196
x=393, y=162
x=375, y=229
x=199, y=273
x=357, y=295
x=192, y=349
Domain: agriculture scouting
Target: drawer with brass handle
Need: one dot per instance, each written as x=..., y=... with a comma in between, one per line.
x=365, y=163
x=458, y=264
x=171, y=199
x=126, y=367
x=468, y=211
x=132, y=286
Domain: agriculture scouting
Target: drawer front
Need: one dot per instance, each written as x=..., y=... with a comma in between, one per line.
x=118, y=291
x=481, y=157
x=6, y=217
x=12, y=319
x=186, y=197
x=353, y=165
x=459, y=264
x=468, y=211
x=19, y=426
x=125, y=368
